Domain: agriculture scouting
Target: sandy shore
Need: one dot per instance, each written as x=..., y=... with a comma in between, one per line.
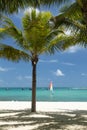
x=43, y=106
x=15, y=115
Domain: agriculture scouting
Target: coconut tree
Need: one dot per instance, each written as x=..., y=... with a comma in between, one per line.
x=36, y=37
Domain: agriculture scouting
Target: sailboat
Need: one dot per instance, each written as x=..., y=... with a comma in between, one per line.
x=51, y=86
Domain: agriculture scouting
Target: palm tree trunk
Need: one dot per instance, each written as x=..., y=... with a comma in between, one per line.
x=33, y=109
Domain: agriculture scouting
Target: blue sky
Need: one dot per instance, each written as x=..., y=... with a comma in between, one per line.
x=65, y=69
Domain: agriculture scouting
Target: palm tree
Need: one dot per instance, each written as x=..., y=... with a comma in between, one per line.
x=36, y=37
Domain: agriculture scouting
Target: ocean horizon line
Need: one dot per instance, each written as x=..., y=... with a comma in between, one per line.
x=82, y=88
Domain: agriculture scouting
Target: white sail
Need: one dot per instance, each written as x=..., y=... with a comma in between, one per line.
x=51, y=86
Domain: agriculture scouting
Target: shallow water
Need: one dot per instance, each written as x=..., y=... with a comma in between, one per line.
x=43, y=94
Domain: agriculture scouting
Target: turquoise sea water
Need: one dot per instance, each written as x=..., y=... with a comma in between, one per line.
x=43, y=94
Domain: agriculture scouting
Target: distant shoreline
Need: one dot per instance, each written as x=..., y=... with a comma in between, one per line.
x=46, y=88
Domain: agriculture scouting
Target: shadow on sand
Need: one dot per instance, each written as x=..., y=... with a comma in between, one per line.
x=25, y=120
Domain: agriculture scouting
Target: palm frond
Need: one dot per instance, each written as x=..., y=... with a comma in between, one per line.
x=61, y=20
x=71, y=17
x=58, y=20
x=12, y=54
x=68, y=23
x=54, y=33
x=77, y=24
x=74, y=40
x=56, y=44
x=11, y=6
x=62, y=42
x=72, y=11
x=2, y=33
x=12, y=31
x=51, y=2
x=30, y=18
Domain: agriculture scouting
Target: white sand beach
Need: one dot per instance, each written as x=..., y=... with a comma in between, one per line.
x=43, y=106
x=16, y=115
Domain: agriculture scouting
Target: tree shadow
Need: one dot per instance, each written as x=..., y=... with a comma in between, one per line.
x=43, y=120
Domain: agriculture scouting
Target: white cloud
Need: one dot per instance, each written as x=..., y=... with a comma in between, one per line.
x=21, y=12
x=28, y=77
x=69, y=64
x=53, y=61
x=73, y=49
x=24, y=77
x=59, y=73
x=49, y=61
x=3, y=69
x=84, y=74
x=29, y=10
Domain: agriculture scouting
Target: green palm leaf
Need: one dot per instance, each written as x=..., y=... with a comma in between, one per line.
x=12, y=53
x=14, y=32
x=11, y=6
x=73, y=11
x=51, y=2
